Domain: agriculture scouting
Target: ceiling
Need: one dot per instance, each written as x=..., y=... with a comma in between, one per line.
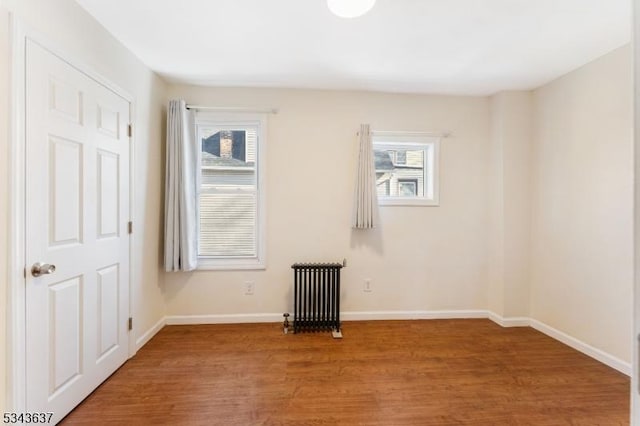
x=470, y=47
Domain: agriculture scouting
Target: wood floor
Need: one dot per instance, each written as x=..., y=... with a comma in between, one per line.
x=434, y=372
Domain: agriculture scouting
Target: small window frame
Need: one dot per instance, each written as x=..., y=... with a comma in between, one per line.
x=430, y=145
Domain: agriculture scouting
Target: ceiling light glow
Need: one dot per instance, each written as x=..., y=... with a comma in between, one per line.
x=350, y=8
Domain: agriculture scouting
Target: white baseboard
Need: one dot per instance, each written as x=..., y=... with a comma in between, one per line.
x=411, y=315
x=345, y=316
x=148, y=335
x=509, y=321
x=222, y=319
x=585, y=348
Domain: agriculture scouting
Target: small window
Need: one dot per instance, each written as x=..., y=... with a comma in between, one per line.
x=231, y=192
x=407, y=187
x=406, y=169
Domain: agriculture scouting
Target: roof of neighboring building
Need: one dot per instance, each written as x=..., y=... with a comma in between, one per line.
x=383, y=161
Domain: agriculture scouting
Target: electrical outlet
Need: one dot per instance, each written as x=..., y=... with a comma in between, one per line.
x=367, y=285
x=249, y=287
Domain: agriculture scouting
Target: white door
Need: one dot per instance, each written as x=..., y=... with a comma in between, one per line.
x=77, y=210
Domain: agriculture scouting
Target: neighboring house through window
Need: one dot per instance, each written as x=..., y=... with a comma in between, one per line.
x=406, y=168
x=401, y=157
x=407, y=187
x=231, y=214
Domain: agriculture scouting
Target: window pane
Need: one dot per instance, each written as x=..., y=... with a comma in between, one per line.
x=407, y=188
x=400, y=172
x=406, y=166
x=227, y=224
x=228, y=192
x=228, y=157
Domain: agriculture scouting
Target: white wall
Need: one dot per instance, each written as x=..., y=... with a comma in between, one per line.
x=75, y=32
x=581, y=262
x=510, y=207
x=421, y=258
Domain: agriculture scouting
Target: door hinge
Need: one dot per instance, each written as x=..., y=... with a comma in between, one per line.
x=130, y=227
x=130, y=324
x=130, y=130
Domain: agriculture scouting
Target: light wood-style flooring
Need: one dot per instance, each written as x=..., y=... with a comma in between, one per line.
x=432, y=372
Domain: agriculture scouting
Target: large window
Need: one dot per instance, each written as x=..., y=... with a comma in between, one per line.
x=231, y=191
x=406, y=168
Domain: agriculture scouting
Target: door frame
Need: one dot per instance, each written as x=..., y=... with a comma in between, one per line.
x=635, y=359
x=16, y=296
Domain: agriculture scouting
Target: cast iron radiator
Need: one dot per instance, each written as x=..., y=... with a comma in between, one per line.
x=316, y=296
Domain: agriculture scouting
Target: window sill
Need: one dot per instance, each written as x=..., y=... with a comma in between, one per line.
x=207, y=264
x=410, y=202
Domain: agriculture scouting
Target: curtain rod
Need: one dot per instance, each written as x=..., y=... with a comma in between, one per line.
x=444, y=134
x=233, y=109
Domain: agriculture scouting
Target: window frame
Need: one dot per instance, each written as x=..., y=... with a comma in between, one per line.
x=224, y=121
x=430, y=145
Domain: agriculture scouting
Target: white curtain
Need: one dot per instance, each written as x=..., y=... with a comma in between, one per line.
x=365, y=206
x=180, y=233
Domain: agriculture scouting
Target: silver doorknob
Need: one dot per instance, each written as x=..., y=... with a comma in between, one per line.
x=42, y=269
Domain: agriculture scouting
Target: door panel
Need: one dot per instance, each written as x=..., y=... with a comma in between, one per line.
x=65, y=101
x=108, y=194
x=65, y=191
x=77, y=207
x=108, y=122
x=65, y=326
x=107, y=310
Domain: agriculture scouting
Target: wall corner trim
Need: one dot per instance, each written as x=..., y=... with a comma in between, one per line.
x=148, y=335
x=509, y=321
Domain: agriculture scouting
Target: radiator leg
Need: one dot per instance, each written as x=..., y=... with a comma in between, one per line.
x=285, y=325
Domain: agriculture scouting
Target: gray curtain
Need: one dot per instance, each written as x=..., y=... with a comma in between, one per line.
x=365, y=205
x=181, y=231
